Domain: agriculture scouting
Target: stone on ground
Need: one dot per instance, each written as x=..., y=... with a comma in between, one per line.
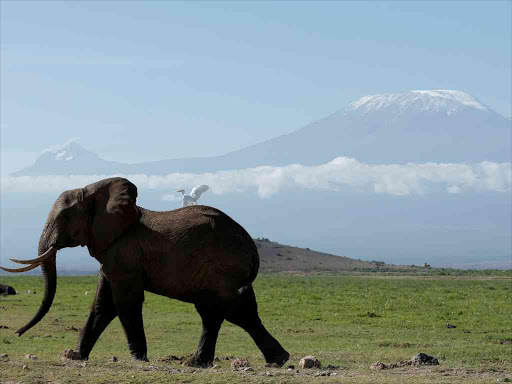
x=424, y=359
x=240, y=363
x=309, y=362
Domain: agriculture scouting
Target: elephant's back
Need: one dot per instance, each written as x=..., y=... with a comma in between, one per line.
x=205, y=243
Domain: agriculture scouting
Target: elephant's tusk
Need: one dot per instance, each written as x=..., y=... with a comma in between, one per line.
x=37, y=260
x=24, y=269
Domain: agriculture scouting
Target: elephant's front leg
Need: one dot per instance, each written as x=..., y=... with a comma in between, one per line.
x=103, y=311
x=128, y=293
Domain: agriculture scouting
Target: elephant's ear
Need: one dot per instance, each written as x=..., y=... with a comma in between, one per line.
x=114, y=211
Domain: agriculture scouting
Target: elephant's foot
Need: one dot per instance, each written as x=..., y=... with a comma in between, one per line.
x=198, y=362
x=278, y=359
x=140, y=357
x=72, y=355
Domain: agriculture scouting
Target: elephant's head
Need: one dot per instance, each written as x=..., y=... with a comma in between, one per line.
x=94, y=216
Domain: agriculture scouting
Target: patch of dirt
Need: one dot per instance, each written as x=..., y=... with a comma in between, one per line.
x=170, y=358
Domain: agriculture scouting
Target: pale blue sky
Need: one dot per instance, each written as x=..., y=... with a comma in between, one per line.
x=140, y=81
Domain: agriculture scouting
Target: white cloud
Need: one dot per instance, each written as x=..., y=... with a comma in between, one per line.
x=339, y=174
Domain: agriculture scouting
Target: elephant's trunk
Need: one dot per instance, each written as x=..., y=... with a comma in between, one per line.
x=50, y=282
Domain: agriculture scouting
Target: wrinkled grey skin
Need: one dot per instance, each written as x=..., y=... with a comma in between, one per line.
x=195, y=254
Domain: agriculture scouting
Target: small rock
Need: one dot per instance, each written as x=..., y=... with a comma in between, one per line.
x=4, y=357
x=69, y=354
x=84, y=364
x=25, y=367
x=240, y=363
x=450, y=326
x=309, y=362
x=86, y=292
x=290, y=367
x=30, y=356
x=378, y=366
x=269, y=374
x=322, y=374
x=248, y=369
x=114, y=359
x=424, y=359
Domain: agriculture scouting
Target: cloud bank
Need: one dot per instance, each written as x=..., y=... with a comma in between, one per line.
x=339, y=174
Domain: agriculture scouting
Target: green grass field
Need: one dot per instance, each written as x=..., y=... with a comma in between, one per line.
x=348, y=322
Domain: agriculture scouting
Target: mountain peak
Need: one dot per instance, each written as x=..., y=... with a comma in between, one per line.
x=67, y=159
x=66, y=152
x=444, y=101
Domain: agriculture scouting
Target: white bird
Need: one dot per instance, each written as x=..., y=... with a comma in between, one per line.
x=194, y=195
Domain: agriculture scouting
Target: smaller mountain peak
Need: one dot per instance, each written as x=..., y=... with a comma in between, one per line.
x=69, y=145
x=70, y=150
x=66, y=159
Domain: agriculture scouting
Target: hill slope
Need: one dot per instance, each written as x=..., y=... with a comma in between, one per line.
x=279, y=258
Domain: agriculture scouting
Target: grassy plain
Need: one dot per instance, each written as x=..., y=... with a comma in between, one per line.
x=348, y=322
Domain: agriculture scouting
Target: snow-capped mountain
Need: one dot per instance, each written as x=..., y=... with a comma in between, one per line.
x=415, y=126
x=68, y=159
x=439, y=101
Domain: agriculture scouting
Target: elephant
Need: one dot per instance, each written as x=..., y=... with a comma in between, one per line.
x=7, y=289
x=196, y=254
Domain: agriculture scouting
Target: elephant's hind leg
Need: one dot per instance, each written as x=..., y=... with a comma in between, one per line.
x=103, y=311
x=244, y=313
x=212, y=317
